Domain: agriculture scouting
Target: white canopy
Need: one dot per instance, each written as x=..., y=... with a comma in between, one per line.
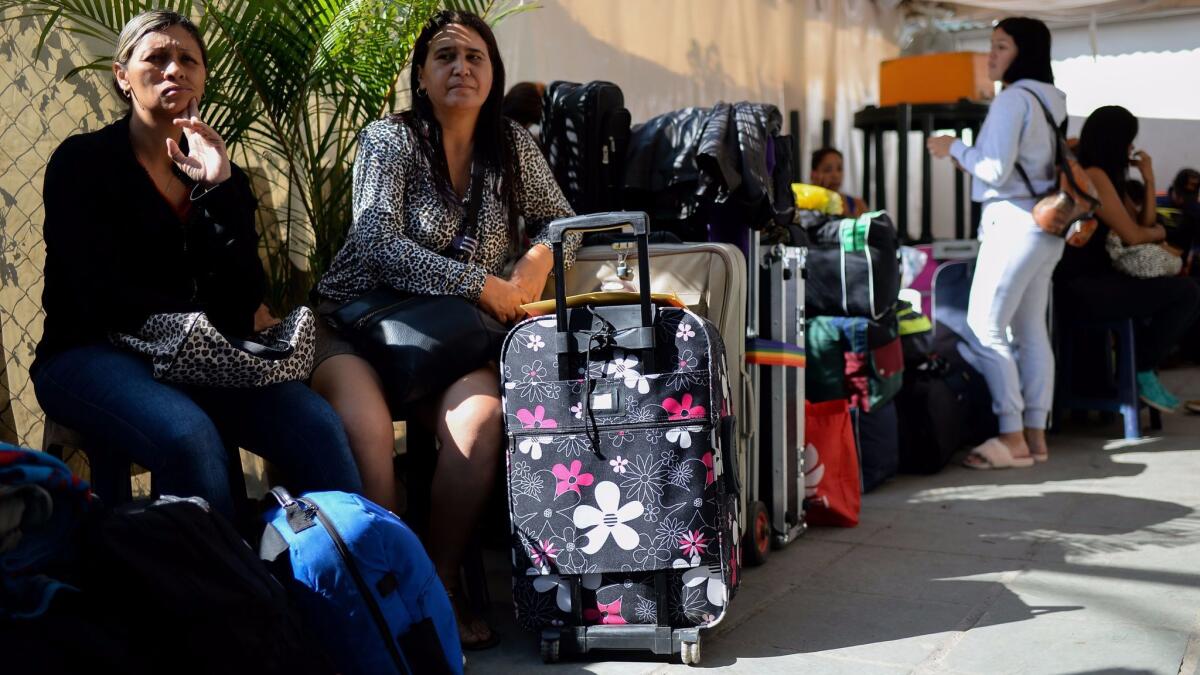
x=1058, y=10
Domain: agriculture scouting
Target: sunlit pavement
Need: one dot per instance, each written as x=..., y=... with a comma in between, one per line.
x=1087, y=564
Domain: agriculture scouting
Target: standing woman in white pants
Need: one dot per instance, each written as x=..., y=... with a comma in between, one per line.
x=1011, y=288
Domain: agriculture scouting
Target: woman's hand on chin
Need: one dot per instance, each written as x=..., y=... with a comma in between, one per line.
x=207, y=161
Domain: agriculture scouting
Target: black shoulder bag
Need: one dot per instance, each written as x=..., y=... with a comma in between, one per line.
x=421, y=344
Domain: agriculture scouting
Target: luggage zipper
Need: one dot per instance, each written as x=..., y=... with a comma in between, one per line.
x=363, y=589
x=705, y=422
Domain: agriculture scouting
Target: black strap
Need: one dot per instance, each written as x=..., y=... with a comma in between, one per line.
x=1060, y=142
x=1025, y=177
x=470, y=221
x=1061, y=152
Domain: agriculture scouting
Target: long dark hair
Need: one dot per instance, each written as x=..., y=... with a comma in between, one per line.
x=1104, y=143
x=1033, y=50
x=494, y=144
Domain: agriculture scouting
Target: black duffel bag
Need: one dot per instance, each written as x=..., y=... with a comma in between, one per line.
x=853, y=266
x=934, y=411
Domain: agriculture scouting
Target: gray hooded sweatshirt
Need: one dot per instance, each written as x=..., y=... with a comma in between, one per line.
x=1015, y=131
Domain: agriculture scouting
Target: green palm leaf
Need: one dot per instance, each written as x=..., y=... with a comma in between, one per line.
x=290, y=83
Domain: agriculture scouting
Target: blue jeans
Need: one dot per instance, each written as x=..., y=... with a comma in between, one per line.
x=179, y=432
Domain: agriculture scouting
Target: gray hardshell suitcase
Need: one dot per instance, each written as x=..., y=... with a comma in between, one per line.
x=775, y=512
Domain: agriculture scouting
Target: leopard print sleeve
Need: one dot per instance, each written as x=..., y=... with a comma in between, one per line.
x=540, y=199
x=383, y=170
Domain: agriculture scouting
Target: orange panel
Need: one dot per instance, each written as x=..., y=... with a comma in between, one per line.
x=935, y=78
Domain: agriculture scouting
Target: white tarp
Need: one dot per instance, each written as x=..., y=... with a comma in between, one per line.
x=820, y=57
x=1067, y=9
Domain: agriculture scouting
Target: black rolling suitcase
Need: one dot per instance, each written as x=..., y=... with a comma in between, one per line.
x=623, y=505
x=585, y=134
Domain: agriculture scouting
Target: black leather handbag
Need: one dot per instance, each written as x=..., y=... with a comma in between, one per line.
x=421, y=344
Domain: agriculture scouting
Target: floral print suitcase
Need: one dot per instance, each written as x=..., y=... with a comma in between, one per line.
x=622, y=500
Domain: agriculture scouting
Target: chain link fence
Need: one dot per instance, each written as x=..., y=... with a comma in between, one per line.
x=38, y=109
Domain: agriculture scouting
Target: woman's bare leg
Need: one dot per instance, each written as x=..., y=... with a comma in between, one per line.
x=470, y=431
x=353, y=388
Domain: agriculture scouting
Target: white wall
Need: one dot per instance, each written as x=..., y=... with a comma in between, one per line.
x=817, y=56
x=1151, y=67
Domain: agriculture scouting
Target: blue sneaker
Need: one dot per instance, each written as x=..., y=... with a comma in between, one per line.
x=1152, y=393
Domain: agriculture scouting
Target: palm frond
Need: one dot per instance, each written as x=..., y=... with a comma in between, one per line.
x=290, y=82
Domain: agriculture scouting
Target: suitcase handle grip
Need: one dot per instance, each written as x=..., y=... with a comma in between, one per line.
x=598, y=221
x=594, y=222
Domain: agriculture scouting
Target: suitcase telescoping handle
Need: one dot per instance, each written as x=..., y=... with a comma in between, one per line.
x=593, y=222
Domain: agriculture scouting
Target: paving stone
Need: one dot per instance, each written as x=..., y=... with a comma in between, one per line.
x=861, y=626
x=1161, y=598
x=915, y=575
x=1057, y=644
x=1084, y=565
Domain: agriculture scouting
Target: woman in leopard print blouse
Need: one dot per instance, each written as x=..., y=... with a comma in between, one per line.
x=411, y=175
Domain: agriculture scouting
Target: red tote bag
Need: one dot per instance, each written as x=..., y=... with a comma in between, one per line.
x=832, y=494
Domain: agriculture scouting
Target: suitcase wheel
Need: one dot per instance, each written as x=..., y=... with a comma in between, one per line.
x=758, y=535
x=689, y=653
x=550, y=651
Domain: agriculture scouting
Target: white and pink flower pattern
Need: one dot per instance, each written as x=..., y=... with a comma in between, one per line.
x=581, y=509
x=609, y=519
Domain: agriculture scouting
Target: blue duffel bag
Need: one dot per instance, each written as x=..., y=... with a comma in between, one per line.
x=364, y=584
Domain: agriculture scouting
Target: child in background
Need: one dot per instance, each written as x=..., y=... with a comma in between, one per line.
x=827, y=171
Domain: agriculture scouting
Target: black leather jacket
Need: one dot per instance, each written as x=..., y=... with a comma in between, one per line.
x=722, y=161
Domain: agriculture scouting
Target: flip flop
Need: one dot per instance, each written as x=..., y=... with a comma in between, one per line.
x=994, y=454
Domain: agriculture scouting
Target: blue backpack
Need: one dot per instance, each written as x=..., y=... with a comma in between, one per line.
x=364, y=583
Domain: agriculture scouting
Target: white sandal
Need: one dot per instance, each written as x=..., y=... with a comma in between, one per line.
x=994, y=454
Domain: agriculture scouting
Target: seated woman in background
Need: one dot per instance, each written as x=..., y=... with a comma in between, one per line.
x=828, y=171
x=1135, y=205
x=1087, y=285
x=411, y=177
x=147, y=216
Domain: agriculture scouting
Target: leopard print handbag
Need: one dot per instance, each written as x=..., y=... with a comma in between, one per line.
x=185, y=348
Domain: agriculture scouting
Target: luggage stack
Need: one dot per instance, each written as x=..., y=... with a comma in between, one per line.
x=714, y=177
x=853, y=340
x=944, y=404
x=622, y=478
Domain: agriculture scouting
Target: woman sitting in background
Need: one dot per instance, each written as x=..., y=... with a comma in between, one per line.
x=828, y=171
x=1087, y=285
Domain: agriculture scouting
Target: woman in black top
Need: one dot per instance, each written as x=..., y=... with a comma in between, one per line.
x=148, y=215
x=1086, y=284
